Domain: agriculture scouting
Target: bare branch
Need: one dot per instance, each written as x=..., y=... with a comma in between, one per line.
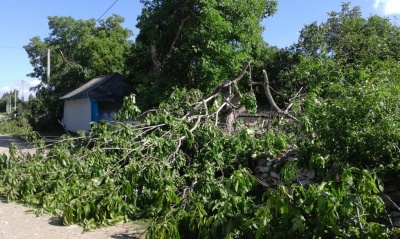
x=292, y=99
x=257, y=84
x=196, y=125
x=217, y=112
x=360, y=226
x=175, y=40
x=244, y=69
x=228, y=83
x=154, y=57
x=271, y=99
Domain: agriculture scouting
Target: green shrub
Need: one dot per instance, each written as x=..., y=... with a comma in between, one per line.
x=357, y=118
x=19, y=126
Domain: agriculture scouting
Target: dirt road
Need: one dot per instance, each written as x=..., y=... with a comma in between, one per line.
x=6, y=140
x=16, y=223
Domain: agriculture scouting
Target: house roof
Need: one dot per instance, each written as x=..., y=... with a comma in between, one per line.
x=108, y=88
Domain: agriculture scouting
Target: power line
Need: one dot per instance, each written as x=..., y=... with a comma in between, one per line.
x=17, y=47
x=106, y=10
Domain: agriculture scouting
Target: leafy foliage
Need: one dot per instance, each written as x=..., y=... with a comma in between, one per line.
x=190, y=181
x=357, y=118
x=80, y=50
x=194, y=44
x=349, y=37
x=9, y=98
x=179, y=168
x=329, y=209
x=17, y=127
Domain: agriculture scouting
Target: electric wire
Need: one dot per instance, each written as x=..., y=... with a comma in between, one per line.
x=16, y=47
x=106, y=10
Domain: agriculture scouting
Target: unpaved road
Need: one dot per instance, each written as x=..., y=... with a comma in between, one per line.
x=16, y=223
x=6, y=140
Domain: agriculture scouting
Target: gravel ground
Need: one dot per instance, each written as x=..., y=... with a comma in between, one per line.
x=17, y=223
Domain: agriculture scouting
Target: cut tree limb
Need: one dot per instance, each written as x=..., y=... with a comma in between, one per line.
x=271, y=100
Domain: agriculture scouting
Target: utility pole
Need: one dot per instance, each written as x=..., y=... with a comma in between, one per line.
x=48, y=66
x=23, y=91
x=8, y=104
x=15, y=100
x=23, y=94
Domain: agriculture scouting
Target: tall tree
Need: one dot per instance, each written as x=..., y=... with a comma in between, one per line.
x=327, y=52
x=80, y=50
x=10, y=98
x=349, y=37
x=351, y=72
x=195, y=43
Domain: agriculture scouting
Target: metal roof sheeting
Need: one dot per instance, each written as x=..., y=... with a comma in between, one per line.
x=108, y=88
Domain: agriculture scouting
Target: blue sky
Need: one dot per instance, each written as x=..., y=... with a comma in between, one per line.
x=23, y=19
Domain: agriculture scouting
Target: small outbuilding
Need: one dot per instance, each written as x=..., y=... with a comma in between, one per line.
x=98, y=99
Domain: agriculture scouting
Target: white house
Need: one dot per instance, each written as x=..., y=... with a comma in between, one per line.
x=98, y=99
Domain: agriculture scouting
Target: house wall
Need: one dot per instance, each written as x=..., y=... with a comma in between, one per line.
x=77, y=114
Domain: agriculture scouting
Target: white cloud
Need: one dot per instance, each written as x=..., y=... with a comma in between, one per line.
x=27, y=85
x=34, y=82
x=5, y=89
x=25, y=93
x=389, y=7
x=377, y=3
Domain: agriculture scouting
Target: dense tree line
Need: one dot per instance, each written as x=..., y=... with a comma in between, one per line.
x=11, y=98
x=80, y=50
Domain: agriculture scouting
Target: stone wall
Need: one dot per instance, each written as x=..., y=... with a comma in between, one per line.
x=267, y=170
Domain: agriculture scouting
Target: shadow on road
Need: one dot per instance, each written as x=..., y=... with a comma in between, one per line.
x=6, y=140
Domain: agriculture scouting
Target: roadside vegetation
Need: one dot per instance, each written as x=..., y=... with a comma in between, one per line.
x=188, y=166
x=15, y=127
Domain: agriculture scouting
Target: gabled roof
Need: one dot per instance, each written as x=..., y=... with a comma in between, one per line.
x=108, y=88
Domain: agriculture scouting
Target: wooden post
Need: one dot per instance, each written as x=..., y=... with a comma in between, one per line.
x=48, y=66
x=22, y=105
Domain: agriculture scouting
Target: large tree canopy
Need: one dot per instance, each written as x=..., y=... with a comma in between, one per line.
x=80, y=50
x=350, y=69
x=329, y=50
x=348, y=36
x=195, y=43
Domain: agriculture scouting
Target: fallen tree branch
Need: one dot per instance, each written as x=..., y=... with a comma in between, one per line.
x=217, y=89
x=271, y=99
x=360, y=226
x=244, y=69
x=292, y=99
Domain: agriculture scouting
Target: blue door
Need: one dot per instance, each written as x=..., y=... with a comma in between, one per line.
x=94, y=105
